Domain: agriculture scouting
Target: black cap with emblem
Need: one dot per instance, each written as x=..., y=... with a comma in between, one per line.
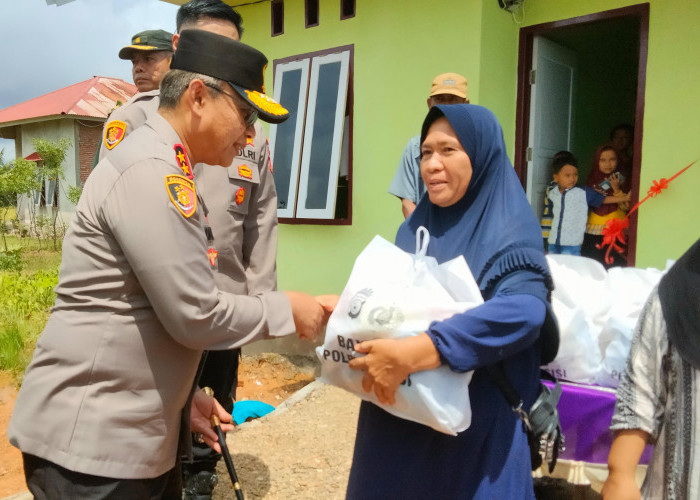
x=242, y=66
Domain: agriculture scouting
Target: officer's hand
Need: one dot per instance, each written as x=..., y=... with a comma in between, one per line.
x=308, y=315
x=328, y=302
x=203, y=407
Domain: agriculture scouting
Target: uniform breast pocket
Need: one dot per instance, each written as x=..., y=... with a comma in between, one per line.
x=243, y=179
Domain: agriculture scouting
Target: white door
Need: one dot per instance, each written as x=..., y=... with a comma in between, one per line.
x=553, y=83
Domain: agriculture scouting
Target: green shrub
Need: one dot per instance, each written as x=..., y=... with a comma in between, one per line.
x=24, y=295
x=11, y=260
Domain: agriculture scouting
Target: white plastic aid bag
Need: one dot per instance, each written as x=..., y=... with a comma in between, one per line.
x=394, y=294
x=630, y=288
x=597, y=311
x=581, y=301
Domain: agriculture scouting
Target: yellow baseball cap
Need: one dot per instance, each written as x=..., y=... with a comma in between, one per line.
x=449, y=83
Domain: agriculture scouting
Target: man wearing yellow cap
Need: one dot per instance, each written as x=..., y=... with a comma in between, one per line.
x=407, y=185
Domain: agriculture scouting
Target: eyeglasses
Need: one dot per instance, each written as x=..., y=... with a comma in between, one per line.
x=250, y=115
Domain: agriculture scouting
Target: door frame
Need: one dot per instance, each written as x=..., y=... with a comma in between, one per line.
x=522, y=115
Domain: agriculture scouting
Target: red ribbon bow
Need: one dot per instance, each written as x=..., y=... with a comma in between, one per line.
x=613, y=236
x=657, y=187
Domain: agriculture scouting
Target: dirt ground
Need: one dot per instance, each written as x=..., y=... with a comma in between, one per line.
x=271, y=378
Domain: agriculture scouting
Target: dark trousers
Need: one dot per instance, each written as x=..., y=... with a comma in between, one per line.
x=220, y=372
x=48, y=481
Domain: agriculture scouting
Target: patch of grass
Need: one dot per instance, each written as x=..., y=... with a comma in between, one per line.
x=11, y=345
x=25, y=301
x=40, y=260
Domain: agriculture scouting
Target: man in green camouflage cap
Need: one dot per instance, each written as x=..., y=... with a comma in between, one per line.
x=150, y=53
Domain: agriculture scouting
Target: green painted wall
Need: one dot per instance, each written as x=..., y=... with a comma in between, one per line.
x=401, y=46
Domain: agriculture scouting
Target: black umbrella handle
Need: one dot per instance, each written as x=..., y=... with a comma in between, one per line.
x=216, y=425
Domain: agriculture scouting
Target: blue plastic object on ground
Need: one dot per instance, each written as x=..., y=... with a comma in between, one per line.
x=249, y=408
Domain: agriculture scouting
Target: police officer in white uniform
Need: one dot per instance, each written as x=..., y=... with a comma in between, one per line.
x=242, y=203
x=99, y=411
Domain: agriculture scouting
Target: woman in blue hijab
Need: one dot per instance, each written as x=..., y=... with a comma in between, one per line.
x=475, y=207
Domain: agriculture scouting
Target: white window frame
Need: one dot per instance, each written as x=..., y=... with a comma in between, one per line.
x=299, y=169
x=298, y=128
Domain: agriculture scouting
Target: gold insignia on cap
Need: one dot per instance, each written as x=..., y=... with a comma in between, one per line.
x=266, y=103
x=263, y=78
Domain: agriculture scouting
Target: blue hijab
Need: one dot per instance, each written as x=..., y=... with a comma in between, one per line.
x=493, y=225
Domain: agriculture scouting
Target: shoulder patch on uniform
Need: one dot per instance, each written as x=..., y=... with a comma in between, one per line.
x=183, y=160
x=240, y=195
x=115, y=131
x=182, y=193
x=245, y=171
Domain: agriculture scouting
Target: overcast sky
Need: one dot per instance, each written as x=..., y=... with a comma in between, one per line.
x=44, y=47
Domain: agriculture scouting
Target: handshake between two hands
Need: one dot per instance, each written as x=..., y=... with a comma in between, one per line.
x=311, y=313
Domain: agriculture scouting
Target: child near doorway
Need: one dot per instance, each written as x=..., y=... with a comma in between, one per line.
x=570, y=205
x=608, y=181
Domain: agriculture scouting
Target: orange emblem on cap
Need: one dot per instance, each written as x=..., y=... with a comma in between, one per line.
x=245, y=171
x=182, y=194
x=183, y=161
x=115, y=131
x=240, y=195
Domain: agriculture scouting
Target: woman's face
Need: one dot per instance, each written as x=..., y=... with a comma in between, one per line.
x=607, y=163
x=445, y=166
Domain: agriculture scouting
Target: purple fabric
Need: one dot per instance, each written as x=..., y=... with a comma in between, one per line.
x=585, y=412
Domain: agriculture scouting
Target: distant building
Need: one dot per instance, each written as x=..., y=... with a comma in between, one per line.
x=77, y=113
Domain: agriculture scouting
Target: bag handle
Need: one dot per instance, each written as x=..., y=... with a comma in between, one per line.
x=422, y=240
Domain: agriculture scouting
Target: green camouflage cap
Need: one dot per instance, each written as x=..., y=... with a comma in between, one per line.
x=149, y=40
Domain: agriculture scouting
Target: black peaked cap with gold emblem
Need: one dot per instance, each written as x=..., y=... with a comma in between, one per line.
x=240, y=65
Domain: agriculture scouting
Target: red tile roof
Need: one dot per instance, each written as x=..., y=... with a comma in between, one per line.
x=92, y=98
x=33, y=157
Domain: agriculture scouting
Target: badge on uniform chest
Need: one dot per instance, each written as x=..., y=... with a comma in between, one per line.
x=245, y=171
x=240, y=195
x=212, y=253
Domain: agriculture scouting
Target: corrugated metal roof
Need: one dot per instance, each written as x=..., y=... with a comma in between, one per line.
x=92, y=98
